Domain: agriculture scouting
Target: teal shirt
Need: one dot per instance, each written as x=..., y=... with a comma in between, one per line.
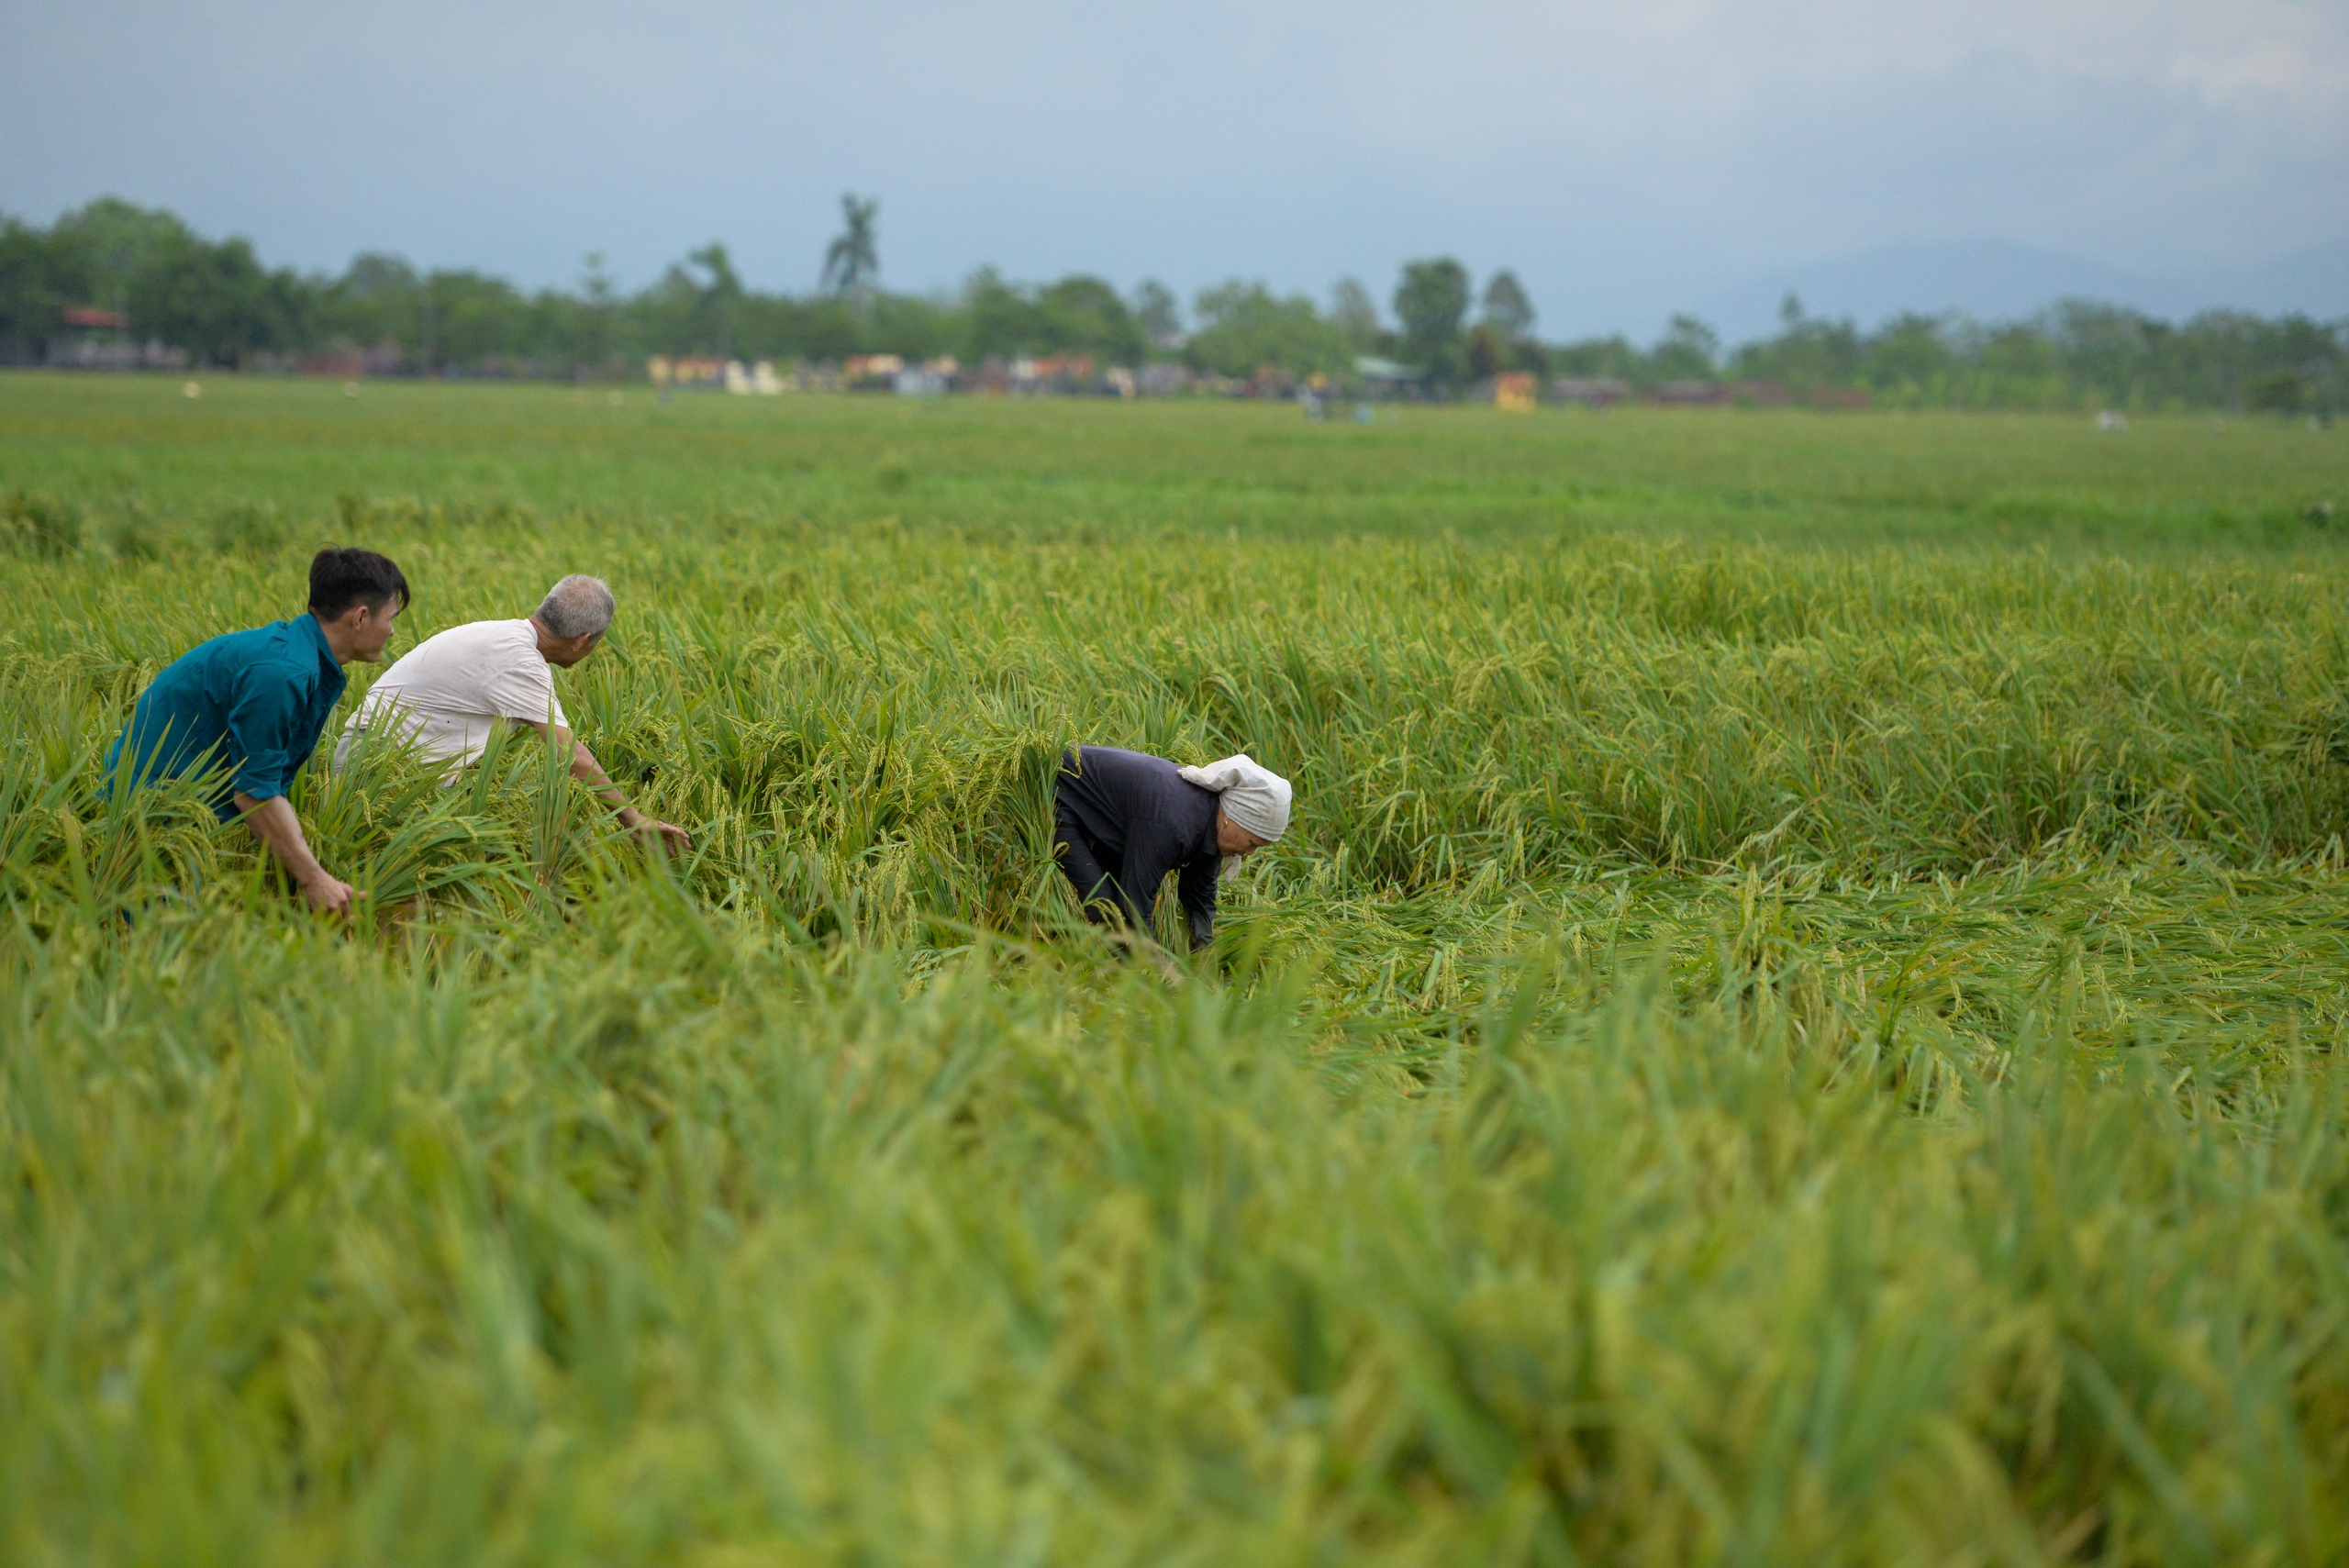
x=255, y=700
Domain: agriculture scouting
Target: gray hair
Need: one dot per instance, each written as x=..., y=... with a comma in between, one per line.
x=576, y=606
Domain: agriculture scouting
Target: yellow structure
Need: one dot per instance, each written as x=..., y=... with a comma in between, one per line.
x=686, y=370
x=1513, y=392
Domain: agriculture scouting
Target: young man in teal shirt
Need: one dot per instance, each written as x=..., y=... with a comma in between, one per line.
x=255, y=701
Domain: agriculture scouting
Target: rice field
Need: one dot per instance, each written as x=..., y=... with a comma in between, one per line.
x=1801, y=1019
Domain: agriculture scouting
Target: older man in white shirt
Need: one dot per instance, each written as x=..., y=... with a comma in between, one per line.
x=448, y=695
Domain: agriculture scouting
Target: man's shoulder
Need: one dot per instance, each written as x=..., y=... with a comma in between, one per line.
x=1117, y=760
x=508, y=641
x=272, y=648
x=481, y=633
x=480, y=647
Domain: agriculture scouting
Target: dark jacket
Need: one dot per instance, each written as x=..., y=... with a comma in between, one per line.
x=1141, y=819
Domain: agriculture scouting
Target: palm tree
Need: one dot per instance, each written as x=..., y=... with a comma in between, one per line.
x=853, y=260
x=715, y=306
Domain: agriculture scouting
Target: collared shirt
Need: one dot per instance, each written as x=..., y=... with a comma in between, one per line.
x=253, y=700
x=1147, y=819
x=450, y=692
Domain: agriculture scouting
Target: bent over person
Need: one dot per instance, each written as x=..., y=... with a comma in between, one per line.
x=254, y=701
x=449, y=693
x=1121, y=820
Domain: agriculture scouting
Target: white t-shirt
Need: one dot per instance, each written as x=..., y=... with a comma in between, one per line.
x=449, y=691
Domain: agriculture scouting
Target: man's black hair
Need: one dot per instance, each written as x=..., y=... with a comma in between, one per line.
x=341, y=578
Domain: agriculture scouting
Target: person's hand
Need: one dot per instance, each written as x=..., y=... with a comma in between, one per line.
x=329, y=895
x=670, y=837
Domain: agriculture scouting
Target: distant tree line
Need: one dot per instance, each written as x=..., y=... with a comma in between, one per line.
x=215, y=303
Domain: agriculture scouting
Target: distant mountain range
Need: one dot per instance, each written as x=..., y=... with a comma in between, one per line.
x=1994, y=281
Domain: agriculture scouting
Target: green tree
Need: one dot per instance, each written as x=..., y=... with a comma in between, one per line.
x=218, y=301
x=1506, y=309
x=593, y=322
x=720, y=297
x=377, y=299
x=477, y=317
x=1355, y=313
x=112, y=241
x=1913, y=355
x=1484, y=353
x=1431, y=302
x=1613, y=357
x=852, y=262
x=1244, y=328
x=1690, y=352
x=998, y=318
x=2105, y=348
x=38, y=281
x=1078, y=314
x=825, y=328
x=215, y=301
x=1158, y=313
x=1807, y=352
x=1084, y=314
x=913, y=324
x=2279, y=391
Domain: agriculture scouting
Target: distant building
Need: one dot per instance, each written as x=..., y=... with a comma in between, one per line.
x=933, y=380
x=1692, y=394
x=1513, y=392
x=96, y=339
x=1590, y=391
x=339, y=365
x=1047, y=374
x=1388, y=378
x=754, y=381
x=1162, y=379
x=688, y=371
x=1271, y=381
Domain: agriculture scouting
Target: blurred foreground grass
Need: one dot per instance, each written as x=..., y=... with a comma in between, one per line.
x=1789, y=1028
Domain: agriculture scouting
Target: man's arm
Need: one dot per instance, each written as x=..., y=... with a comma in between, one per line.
x=589, y=771
x=274, y=824
x=270, y=739
x=1196, y=889
x=1147, y=864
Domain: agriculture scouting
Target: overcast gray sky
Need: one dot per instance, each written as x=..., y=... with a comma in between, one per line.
x=1626, y=159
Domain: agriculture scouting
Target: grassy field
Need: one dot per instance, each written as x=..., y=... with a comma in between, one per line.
x=1800, y=1020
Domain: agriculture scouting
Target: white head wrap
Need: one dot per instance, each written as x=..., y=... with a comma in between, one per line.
x=1253, y=796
